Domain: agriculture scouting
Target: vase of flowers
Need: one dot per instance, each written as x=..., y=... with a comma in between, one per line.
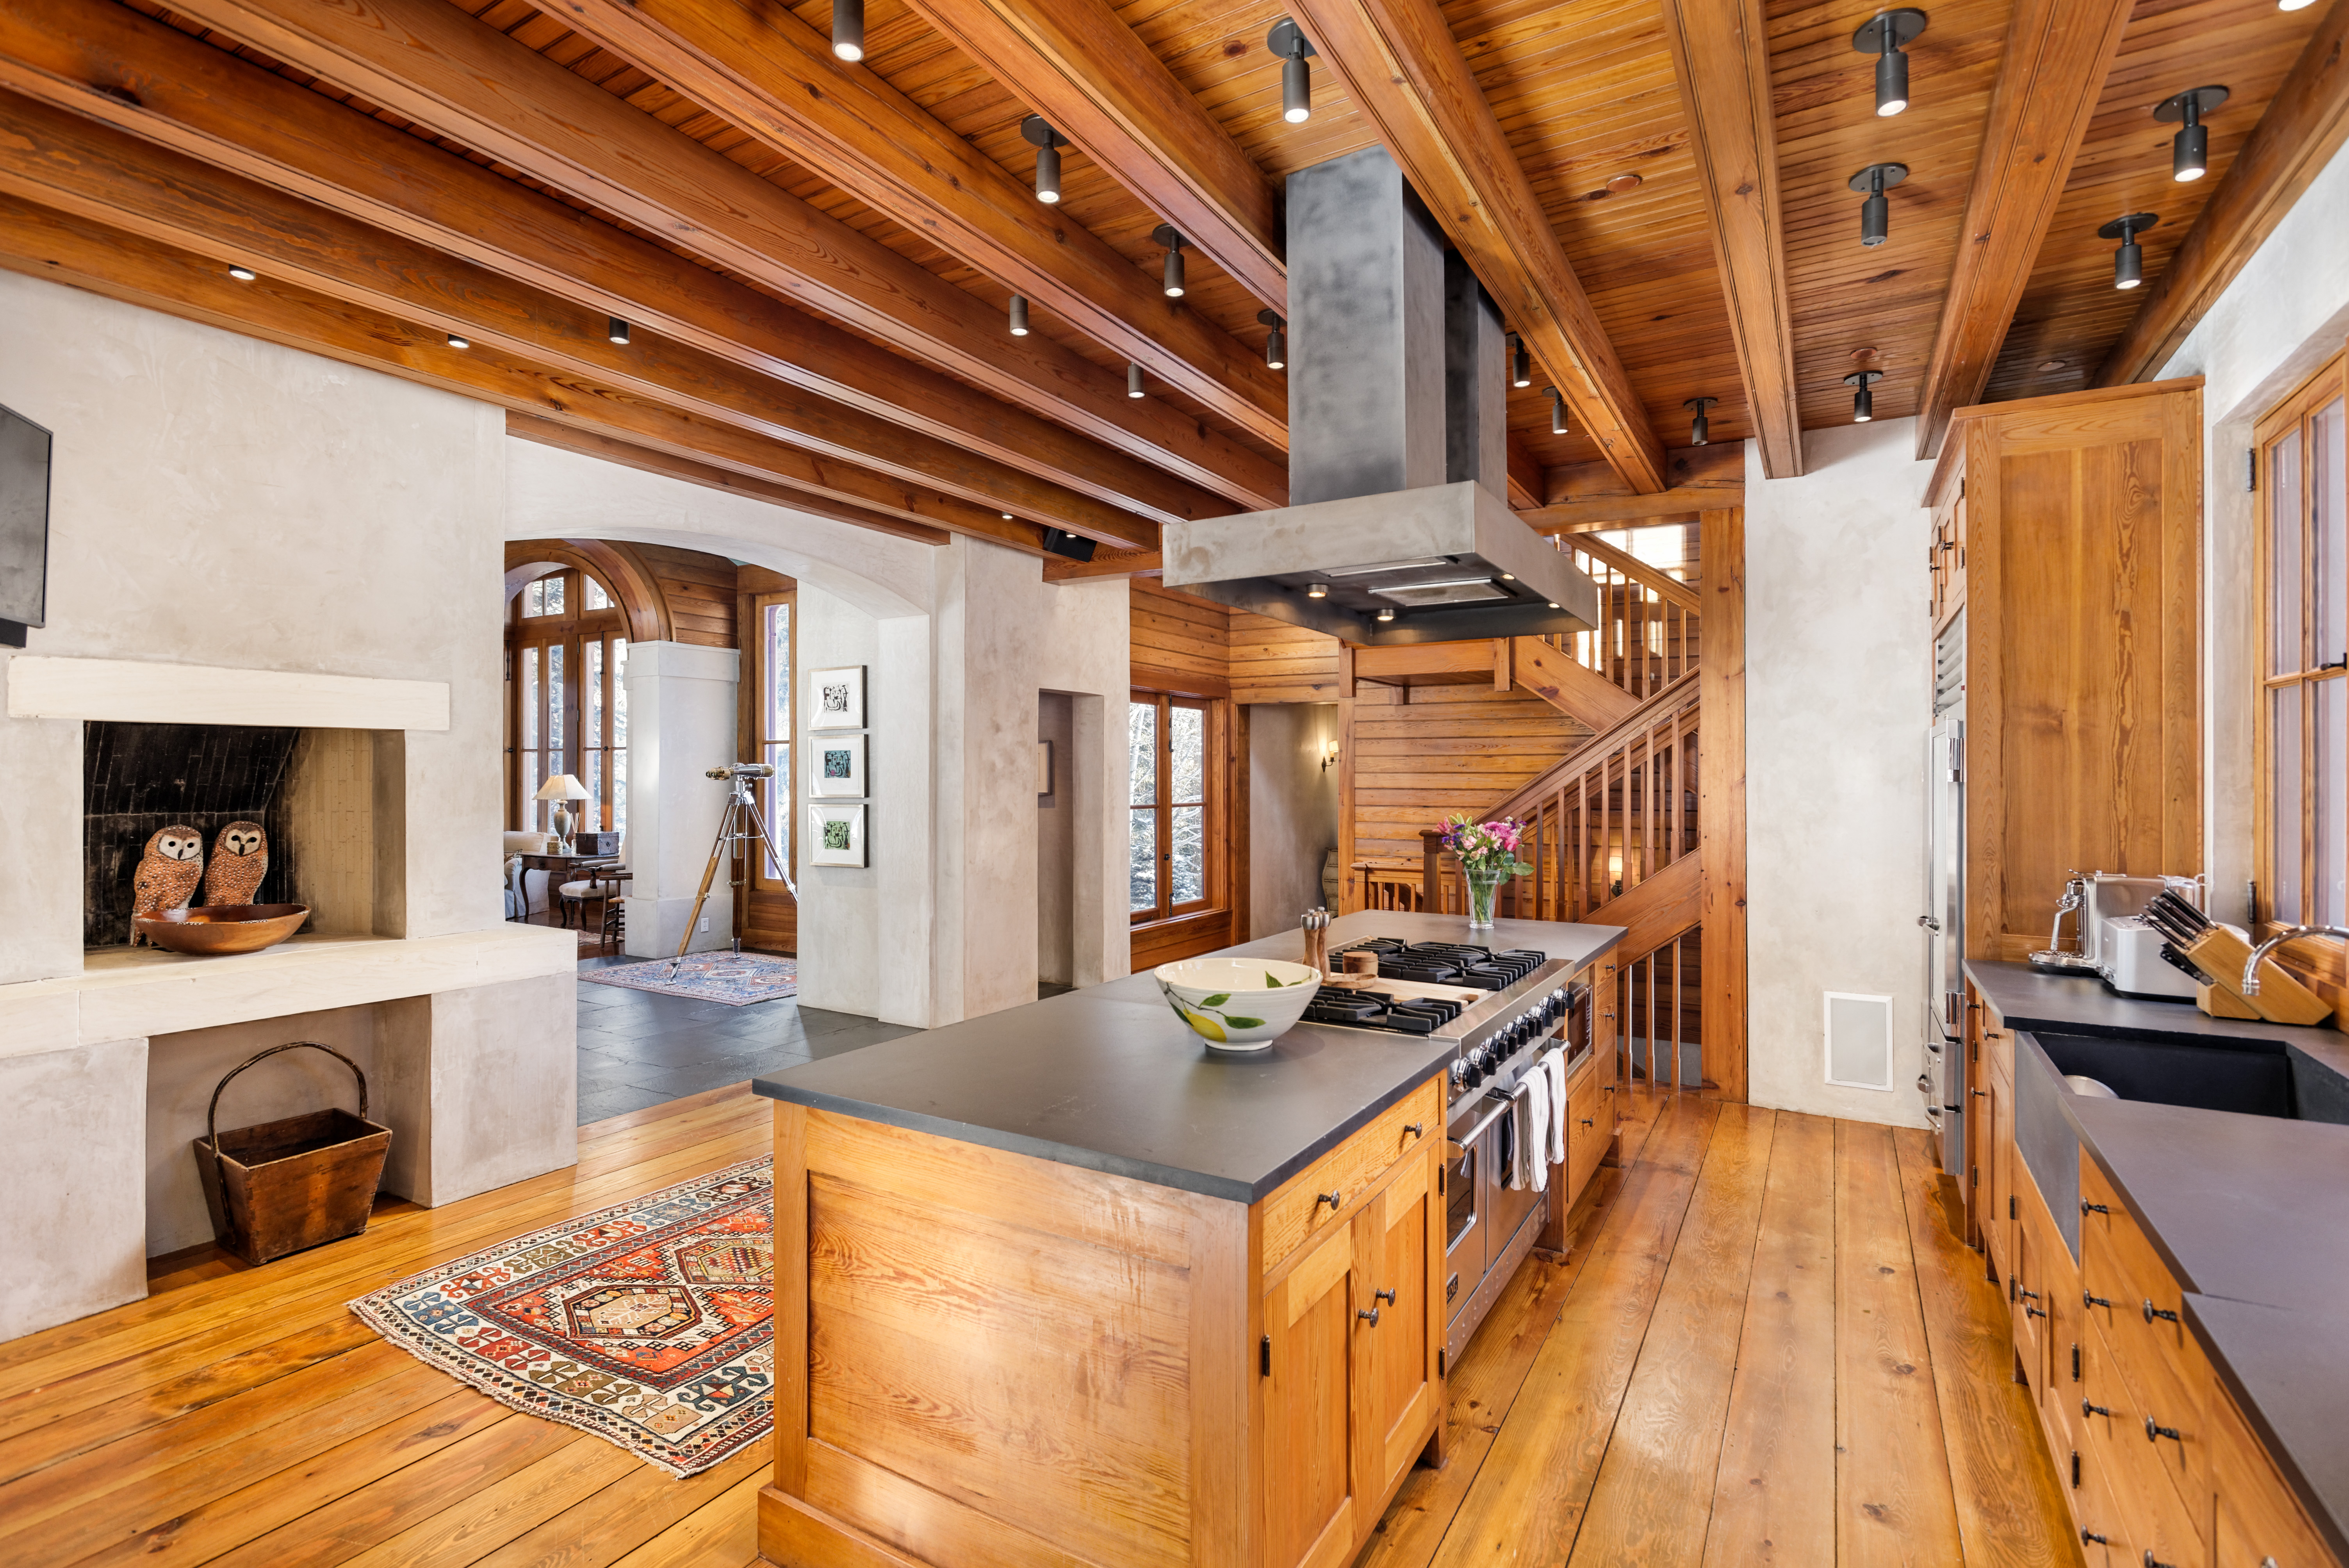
x=1488, y=857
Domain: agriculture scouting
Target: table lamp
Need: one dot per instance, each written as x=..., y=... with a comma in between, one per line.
x=561, y=788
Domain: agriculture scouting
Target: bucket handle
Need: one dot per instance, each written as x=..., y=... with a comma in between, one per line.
x=211, y=1116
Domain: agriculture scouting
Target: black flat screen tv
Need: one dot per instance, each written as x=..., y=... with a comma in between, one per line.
x=24, y=526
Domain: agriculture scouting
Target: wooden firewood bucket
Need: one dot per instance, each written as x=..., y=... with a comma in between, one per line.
x=295, y=1182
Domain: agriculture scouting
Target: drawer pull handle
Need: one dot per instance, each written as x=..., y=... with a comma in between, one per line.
x=2152, y=1312
x=2153, y=1562
x=2030, y=1311
x=1417, y=1130
x=2027, y=1294
x=1335, y=1201
x=2089, y=1537
x=2088, y=1300
x=2088, y=1409
x=1385, y=1295
x=1371, y=1318
x=2088, y=1208
x=1586, y=1121
x=2155, y=1432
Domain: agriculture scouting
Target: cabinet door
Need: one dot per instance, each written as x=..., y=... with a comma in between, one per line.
x=1399, y=1241
x=1310, y=1462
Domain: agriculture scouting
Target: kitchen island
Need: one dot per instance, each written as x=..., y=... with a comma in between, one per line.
x=1060, y=1285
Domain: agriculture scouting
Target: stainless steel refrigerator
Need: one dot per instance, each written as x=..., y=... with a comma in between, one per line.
x=1943, y=1081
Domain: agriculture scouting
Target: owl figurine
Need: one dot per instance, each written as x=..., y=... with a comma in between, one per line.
x=167, y=874
x=240, y=860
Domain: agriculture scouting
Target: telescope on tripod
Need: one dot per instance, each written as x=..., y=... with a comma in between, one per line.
x=741, y=826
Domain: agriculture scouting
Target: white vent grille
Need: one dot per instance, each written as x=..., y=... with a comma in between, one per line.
x=1859, y=1040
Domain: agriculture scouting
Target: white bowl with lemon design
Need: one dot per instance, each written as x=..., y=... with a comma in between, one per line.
x=1237, y=1003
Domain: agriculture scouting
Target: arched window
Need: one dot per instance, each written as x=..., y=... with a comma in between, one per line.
x=567, y=655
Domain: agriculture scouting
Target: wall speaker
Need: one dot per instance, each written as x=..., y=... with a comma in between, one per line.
x=1075, y=546
x=1859, y=1040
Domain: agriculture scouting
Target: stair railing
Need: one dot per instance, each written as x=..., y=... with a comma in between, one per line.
x=1647, y=633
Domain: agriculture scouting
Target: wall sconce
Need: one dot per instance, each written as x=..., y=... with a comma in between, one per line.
x=1328, y=754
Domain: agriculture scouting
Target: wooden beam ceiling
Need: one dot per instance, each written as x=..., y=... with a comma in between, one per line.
x=1404, y=71
x=1077, y=64
x=774, y=76
x=2058, y=54
x=1721, y=54
x=42, y=242
x=2302, y=128
x=429, y=62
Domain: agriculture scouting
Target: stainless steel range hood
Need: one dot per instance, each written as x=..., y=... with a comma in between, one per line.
x=1398, y=461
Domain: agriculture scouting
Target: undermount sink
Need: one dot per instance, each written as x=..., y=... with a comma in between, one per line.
x=2252, y=1078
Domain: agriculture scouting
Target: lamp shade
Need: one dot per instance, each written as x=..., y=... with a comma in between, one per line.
x=561, y=787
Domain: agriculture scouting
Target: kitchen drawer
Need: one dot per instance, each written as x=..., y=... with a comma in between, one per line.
x=2164, y=1369
x=1589, y=1128
x=2258, y=1521
x=1301, y=1209
x=2153, y=1517
x=2096, y=1520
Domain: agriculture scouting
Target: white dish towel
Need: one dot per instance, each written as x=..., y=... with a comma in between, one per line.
x=1553, y=1067
x=1528, y=1163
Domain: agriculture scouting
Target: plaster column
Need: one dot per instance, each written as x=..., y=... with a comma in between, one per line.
x=681, y=716
x=75, y=1225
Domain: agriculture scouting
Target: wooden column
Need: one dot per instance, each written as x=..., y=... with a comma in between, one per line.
x=1721, y=796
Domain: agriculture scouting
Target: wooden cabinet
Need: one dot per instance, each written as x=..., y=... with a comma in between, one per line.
x=2258, y=1523
x=987, y=1357
x=2075, y=523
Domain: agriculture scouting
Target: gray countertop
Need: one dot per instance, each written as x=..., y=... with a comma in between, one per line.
x=1110, y=1079
x=2245, y=1209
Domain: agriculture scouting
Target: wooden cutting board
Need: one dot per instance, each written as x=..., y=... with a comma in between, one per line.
x=1407, y=990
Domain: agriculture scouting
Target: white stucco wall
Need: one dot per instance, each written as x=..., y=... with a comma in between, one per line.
x=216, y=499
x=1292, y=810
x=2284, y=314
x=1838, y=661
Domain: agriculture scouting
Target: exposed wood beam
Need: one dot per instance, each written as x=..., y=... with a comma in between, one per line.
x=1526, y=487
x=1404, y=72
x=612, y=450
x=1077, y=63
x=1583, y=496
x=431, y=63
x=2305, y=124
x=1107, y=563
x=2051, y=72
x=1721, y=54
x=762, y=69
x=43, y=242
x=59, y=160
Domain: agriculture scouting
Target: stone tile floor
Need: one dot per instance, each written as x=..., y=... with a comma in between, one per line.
x=637, y=1048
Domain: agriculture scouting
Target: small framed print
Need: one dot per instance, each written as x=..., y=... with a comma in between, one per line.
x=836, y=835
x=835, y=765
x=836, y=698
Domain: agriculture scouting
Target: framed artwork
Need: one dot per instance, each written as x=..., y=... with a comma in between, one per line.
x=835, y=765
x=836, y=835
x=836, y=698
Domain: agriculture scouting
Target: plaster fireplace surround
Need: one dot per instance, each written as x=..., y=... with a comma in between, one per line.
x=468, y=1040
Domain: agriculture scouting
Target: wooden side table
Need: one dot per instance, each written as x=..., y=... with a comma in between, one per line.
x=558, y=869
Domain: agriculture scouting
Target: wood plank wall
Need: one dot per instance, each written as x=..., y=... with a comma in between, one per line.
x=700, y=591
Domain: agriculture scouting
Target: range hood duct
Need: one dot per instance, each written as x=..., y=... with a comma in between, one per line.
x=1397, y=455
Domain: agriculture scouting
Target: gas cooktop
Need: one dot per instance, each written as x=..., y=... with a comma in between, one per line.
x=1426, y=964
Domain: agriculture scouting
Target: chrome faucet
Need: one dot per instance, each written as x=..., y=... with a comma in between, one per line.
x=2251, y=985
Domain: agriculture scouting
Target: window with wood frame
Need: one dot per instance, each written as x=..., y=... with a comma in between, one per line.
x=1175, y=800
x=2302, y=721
x=567, y=648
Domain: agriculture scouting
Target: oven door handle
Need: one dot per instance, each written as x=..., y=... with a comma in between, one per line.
x=1491, y=1117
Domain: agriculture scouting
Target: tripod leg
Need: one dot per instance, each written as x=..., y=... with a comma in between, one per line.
x=709, y=875
x=767, y=836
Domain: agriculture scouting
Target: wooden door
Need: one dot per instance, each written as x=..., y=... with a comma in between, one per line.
x=1309, y=1462
x=1400, y=1244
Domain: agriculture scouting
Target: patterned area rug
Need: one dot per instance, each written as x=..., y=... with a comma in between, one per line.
x=736, y=979
x=650, y=1324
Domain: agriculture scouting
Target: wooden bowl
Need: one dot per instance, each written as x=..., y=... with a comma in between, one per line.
x=212, y=929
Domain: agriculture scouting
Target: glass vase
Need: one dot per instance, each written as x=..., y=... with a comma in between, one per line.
x=1483, y=887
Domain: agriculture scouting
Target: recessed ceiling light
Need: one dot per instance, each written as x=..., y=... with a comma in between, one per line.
x=1622, y=183
x=2051, y=364
x=242, y=274
x=457, y=342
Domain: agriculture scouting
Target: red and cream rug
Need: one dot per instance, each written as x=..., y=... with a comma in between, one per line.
x=650, y=1323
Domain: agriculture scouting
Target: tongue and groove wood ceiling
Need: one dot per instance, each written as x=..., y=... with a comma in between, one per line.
x=816, y=258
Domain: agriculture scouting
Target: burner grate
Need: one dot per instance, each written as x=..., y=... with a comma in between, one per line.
x=1450, y=963
x=1419, y=1016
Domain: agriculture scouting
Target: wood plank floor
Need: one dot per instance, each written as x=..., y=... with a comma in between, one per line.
x=1765, y=1346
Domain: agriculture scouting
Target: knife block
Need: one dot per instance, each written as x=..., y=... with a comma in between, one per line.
x=2220, y=953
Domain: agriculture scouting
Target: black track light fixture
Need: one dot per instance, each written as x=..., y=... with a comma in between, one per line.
x=1863, y=402
x=1048, y=143
x=1292, y=48
x=1876, y=212
x=1700, y=428
x=1557, y=410
x=1521, y=363
x=2189, y=149
x=1275, y=342
x=617, y=331
x=848, y=30
x=1165, y=234
x=2128, y=262
x=1133, y=378
x=1019, y=315
x=1885, y=35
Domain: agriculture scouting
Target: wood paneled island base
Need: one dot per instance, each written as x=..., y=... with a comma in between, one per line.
x=985, y=1358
